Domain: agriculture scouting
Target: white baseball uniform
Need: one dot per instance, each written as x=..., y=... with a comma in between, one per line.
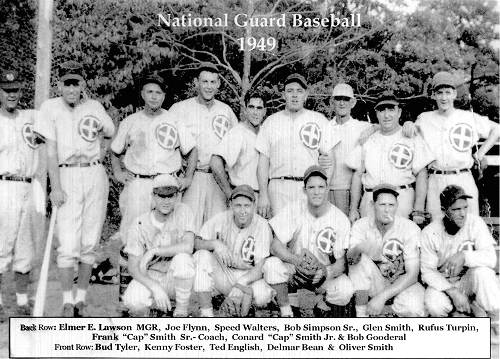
x=340, y=183
x=152, y=145
x=81, y=217
x=326, y=237
x=249, y=245
x=393, y=159
x=451, y=140
x=383, y=262
x=18, y=160
x=208, y=125
x=174, y=274
x=478, y=278
x=292, y=145
x=237, y=148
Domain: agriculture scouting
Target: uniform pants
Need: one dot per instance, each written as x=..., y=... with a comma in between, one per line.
x=281, y=192
x=212, y=276
x=340, y=198
x=81, y=217
x=204, y=197
x=480, y=281
x=16, y=241
x=406, y=199
x=366, y=276
x=176, y=278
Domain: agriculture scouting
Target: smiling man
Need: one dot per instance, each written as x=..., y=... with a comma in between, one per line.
x=231, y=249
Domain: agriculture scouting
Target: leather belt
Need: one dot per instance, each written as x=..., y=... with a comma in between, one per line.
x=448, y=172
x=15, y=178
x=79, y=164
x=205, y=170
x=289, y=178
x=405, y=186
x=137, y=175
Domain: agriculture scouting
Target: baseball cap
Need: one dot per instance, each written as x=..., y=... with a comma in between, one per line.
x=387, y=99
x=384, y=188
x=165, y=184
x=243, y=190
x=208, y=66
x=343, y=90
x=155, y=79
x=443, y=79
x=9, y=80
x=71, y=70
x=314, y=170
x=450, y=194
x=296, y=78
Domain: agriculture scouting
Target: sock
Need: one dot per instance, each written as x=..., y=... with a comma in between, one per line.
x=1, y=301
x=182, y=293
x=286, y=311
x=68, y=297
x=207, y=312
x=22, y=298
x=80, y=295
x=361, y=311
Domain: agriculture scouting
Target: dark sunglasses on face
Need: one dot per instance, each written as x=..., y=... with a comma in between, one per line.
x=342, y=98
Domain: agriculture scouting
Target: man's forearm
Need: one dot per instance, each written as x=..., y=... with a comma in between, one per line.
x=279, y=250
x=420, y=190
x=220, y=175
x=263, y=174
x=53, y=167
x=355, y=190
x=191, y=162
x=492, y=139
x=399, y=285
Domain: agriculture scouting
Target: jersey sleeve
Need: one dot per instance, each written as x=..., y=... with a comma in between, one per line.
x=262, y=143
x=108, y=127
x=120, y=141
x=357, y=234
x=232, y=117
x=187, y=219
x=429, y=261
x=483, y=254
x=186, y=139
x=230, y=147
x=412, y=241
x=342, y=242
x=263, y=242
x=330, y=139
x=211, y=229
x=284, y=224
x=423, y=154
x=134, y=242
x=44, y=123
x=354, y=159
x=483, y=125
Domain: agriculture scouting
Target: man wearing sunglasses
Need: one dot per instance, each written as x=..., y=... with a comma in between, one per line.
x=73, y=127
x=237, y=149
x=159, y=244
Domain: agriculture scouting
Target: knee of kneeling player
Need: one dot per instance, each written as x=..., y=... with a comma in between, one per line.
x=182, y=266
x=481, y=274
x=339, y=291
x=202, y=258
x=137, y=300
x=262, y=293
x=275, y=271
x=438, y=304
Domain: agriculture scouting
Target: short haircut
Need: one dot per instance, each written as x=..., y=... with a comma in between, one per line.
x=255, y=94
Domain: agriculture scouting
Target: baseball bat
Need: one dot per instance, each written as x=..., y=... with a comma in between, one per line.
x=44, y=270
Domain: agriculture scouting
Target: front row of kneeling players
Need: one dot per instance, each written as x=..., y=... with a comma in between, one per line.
x=306, y=242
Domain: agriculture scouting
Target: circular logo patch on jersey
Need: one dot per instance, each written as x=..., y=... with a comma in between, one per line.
x=166, y=136
x=468, y=245
x=461, y=137
x=325, y=240
x=220, y=125
x=392, y=249
x=400, y=155
x=29, y=136
x=88, y=128
x=248, y=250
x=310, y=135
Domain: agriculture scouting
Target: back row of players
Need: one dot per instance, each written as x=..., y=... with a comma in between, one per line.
x=270, y=169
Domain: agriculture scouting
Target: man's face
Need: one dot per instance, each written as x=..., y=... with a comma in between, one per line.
x=316, y=191
x=295, y=96
x=165, y=203
x=71, y=91
x=444, y=97
x=388, y=117
x=9, y=98
x=385, y=208
x=243, y=209
x=207, y=85
x=457, y=212
x=255, y=111
x=342, y=105
x=153, y=96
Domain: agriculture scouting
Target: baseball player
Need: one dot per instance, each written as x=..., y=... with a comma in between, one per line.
x=208, y=120
x=18, y=165
x=457, y=261
x=150, y=142
x=164, y=235
x=388, y=156
x=230, y=253
x=308, y=249
x=237, y=149
x=289, y=142
x=384, y=254
x=72, y=127
x=451, y=133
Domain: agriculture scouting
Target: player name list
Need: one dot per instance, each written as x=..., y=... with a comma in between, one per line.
x=254, y=337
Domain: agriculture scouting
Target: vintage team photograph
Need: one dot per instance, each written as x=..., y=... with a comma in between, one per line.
x=249, y=158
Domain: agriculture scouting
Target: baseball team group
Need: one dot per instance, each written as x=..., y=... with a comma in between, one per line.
x=380, y=215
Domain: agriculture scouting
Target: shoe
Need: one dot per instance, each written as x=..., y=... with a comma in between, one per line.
x=23, y=310
x=296, y=312
x=68, y=310
x=79, y=310
x=180, y=313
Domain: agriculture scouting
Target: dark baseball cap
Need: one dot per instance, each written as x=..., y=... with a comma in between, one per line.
x=451, y=194
x=443, y=79
x=71, y=70
x=243, y=190
x=165, y=184
x=9, y=80
x=384, y=188
x=314, y=170
x=154, y=78
x=387, y=99
x=296, y=78
x=207, y=66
